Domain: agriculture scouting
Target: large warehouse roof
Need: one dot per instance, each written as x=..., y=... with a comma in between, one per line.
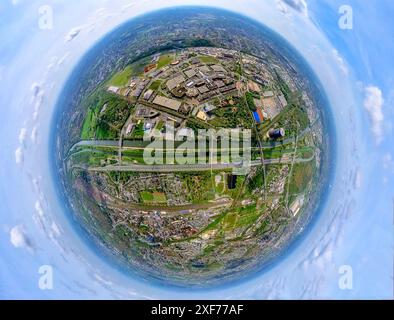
x=167, y=103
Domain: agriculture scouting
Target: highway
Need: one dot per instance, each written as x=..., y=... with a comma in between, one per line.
x=170, y=168
x=137, y=145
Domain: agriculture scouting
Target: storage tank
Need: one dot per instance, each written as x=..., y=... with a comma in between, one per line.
x=276, y=133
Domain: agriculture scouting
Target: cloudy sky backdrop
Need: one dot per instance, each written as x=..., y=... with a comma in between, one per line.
x=350, y=48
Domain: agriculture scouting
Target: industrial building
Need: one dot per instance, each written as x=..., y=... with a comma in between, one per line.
x=173, y=83
x=167, y=103
x=113, y=89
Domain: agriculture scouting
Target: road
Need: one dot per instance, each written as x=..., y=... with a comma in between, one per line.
x=127, y=144
x=170, y=168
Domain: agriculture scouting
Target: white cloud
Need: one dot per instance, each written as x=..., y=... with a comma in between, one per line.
x=37, y=99
x=56, y=229
x=298, y=5
x=22, y=135
x=19, y=239
x=341, y=62
x=388, y=162
x=73, y=34
x=373, y=104
x=62, y=59
x=52, y=63
x=39, y=208
x=34, y=134
x=358, y=179
x=19, y=156
x=102, y=281
x=282, y=7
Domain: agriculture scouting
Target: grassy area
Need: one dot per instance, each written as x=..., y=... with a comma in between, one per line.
x=241, y=218
x=234, y=193
x=201, y=186
x=160, y=125
x=133, y=156
x=153, y=197
x=155, y=85
x=93, y=158
x=196, y=125
x=228, y=221
x=257, y=181
x=220, y=188
x=232, y=117
x=105, y=132
x=116, y=113
x=104, y=123
x=250, y=101
x=293, y=119
x=247, y=216
x=215, y=224
x=238, y=69
x=208, y=59
x=164, y=60
x=284, y=87
x=302, y=175
x=138, y=132
x=120, y=177
x=306, y=152
x=121, y=78
x=276, y=153
x=88, y=126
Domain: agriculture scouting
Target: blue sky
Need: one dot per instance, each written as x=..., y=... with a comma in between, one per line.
x=356, y=229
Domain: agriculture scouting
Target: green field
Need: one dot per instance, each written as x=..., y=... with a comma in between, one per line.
x=92, y=158
x=301, y=177
x=105, y=132
x=160, y=125
x=155, y=85
x=88, y=128
x=153, y=197
x=134, y=156
x=276, y=153
x=284, y=87
x=121, y=177
x=243, y=217
x=138, y=132
x=232, y=117
x=122, y=78
x=104, y=123
x=294, y=119
x=208, y=59
x=201, y=186
x=164, y=60
x=247, y=216
x=250, y=101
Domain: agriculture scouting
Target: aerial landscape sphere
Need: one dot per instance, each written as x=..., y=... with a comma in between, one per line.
x=192, y=146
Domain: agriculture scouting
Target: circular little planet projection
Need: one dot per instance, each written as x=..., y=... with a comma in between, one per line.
x=137, y=166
